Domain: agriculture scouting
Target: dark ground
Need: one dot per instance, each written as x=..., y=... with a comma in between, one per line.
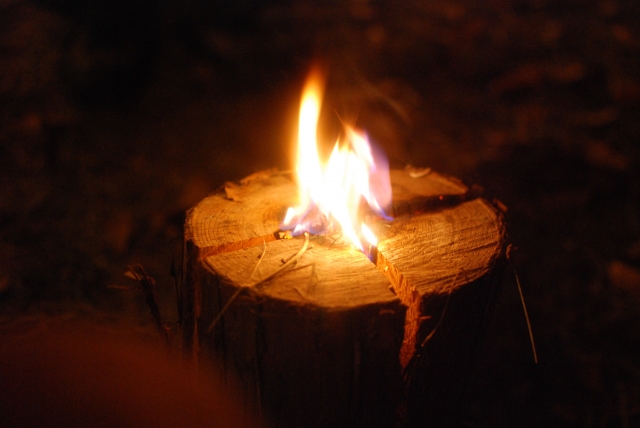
x=119, y=116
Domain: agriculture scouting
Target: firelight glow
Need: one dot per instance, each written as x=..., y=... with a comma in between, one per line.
x=330, y=193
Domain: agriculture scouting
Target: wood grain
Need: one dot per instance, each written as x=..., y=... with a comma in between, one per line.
x=340, y=338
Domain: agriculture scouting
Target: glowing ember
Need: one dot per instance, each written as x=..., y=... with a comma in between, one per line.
x=330, y=193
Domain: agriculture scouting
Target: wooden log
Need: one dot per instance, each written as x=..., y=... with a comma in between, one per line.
x=338, y=340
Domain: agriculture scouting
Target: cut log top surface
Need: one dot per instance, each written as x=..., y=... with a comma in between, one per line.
x=442, y=237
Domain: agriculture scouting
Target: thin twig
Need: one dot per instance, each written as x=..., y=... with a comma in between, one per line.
x=311, y=276
x=526, y=315
x=300, y=292
x=148, y=287
x=290, y=262
x=237, y=292
x=223, y=310
x=264, y=250
x=335, y=240
x=444, y=310
x=302, y=267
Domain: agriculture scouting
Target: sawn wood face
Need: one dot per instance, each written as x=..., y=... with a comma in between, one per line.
x=340, y=336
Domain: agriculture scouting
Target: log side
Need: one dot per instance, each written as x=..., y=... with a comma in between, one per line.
x=327, y=343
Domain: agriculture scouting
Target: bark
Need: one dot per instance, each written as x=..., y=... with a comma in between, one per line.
x=340, y=340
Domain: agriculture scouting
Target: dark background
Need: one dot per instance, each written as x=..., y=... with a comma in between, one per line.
x=117, y=116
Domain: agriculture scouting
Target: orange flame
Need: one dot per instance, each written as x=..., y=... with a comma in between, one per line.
x=330, y=193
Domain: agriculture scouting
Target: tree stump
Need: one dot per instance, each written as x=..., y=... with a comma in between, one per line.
x=339, y=340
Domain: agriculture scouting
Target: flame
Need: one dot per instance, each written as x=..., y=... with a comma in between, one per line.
x=330, y=193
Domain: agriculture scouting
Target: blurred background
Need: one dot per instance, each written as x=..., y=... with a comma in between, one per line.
x=117, y=116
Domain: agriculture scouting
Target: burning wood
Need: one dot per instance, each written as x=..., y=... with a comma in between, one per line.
x=376, y=330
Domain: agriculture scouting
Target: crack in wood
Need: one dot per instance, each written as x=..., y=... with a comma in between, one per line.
x=413, y=206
